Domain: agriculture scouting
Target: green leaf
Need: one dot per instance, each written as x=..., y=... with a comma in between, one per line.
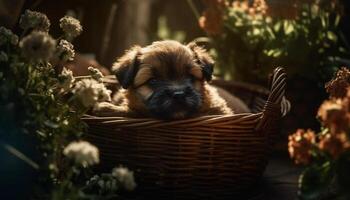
x=288, y=27
x=256, y=31
x=268, y=52
x=323, y=22
x=343, y=171
x=320, y=50
x=314, y=10
x=314, y=181
x=51, y=124
x=277, y=26
x=273, y=52
x=272, y=35
x=337, y=20
x=342, y=49
x=15, y=152
x=40, y=133
x=277, y=53
x=332, y=36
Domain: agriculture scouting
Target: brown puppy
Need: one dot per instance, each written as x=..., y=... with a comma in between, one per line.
x=166, y=80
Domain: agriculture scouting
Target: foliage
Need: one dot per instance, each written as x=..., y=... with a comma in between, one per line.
x=45, y=104
x=249, y=40
x=165, y=33
x=326, y=154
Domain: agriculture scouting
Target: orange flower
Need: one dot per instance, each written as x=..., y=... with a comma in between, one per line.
x=241, y=5
x=334, y=144
x=244, y=5
x=337, y=87
x=211, y=20
x=251, y=11
x=236, y=4
x=333, y=114
x=300, y=146
x=260, y=6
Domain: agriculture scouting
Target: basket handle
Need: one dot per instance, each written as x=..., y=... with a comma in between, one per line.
x=276, y=105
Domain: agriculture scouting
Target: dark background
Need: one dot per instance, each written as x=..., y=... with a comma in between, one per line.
x=111, y=26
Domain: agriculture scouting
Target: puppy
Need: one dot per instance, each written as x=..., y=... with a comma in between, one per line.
x=166, y=80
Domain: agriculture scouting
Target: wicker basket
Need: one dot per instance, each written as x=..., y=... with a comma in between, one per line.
x=210, y=157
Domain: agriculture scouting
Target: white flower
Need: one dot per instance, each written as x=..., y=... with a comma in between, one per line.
x=89, y=91
x=38, y=46
x=70, y=26
x=125, y=177
x=7, y=36
x=102, y=184
x=66, y=79
x=35, y=20
x=95, y=74
x=65, y=51
x=82, y=153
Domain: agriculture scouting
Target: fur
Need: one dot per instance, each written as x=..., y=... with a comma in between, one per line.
x=165, y=80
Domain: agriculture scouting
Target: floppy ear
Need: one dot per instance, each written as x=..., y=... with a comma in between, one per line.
x=126, y=67
x=203, y=59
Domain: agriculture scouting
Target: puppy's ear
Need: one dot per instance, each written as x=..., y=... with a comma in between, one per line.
x=203, y=59
x=126, y=67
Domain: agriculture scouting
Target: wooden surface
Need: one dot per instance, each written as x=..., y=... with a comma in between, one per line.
x=280, y=180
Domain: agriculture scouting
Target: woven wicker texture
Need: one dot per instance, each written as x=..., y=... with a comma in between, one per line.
x=210, y=157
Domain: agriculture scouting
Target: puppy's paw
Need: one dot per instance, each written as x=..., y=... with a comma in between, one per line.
x=106, y=109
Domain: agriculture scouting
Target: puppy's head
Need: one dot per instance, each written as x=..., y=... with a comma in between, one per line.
x=165, y=79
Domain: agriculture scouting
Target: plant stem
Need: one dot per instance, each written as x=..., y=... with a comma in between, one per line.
x=193, y=8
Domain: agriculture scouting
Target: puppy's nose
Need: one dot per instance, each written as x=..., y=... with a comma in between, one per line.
x=178, y=94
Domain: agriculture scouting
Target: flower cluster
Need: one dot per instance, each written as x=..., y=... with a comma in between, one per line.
x=108, y=184
x=96, y=74
x=300, y=146
x=326, y=154
x=51, y=101
x=34, y=20
x=89, y=92
x=125, y=177
x=65, y=51
x=212, y=18
x=7, y=37
x=334, y=144
x=337, y=87
x=104, y=184
x=71, y=26
x=38, y=46
x=83, y=153
x=251, y=37
x=259, y=7
x=334, y=115
x=66, y=79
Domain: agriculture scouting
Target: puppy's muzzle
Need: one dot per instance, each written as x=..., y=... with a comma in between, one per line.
x=179, y=94
x=174, y=102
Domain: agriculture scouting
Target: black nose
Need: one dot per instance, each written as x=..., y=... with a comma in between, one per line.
x=178, y=94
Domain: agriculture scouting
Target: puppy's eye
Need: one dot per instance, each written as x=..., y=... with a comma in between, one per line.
x=152, y=81
x=192, y=78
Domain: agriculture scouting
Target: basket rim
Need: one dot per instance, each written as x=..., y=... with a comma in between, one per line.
x=199, y=118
